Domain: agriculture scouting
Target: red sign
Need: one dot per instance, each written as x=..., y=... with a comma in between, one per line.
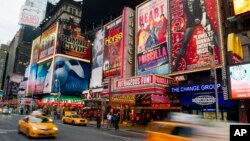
x=140, y=81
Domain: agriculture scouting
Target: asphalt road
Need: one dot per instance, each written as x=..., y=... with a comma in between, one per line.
x=8, y=132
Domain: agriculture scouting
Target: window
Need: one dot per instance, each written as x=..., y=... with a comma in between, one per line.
x=70, y=10
x=74, y=11
x=79, y=12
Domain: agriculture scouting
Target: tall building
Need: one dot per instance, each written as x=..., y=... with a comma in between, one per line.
x=60, y=61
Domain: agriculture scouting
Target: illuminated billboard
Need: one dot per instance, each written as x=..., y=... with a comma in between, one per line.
x=48, y=42
x=35, y=50
x=151, y=38
x=71, y=42
x=241, y=6
x=97, y=59
x=31, y=16
x=43, y=77
x=239, y=81
x=194, y=29
x=32, y=79
x=112, y=48
x=70, y=76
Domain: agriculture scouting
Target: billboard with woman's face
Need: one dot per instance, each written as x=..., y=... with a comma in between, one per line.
x=151, y=38
x=70, y=76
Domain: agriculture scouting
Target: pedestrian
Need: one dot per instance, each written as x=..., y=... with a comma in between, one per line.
x=116, y=121
x=98, y=120
x=55, y=113
x=109, y=117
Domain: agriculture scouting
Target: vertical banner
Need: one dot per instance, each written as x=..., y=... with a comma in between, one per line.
x=32, y=79
x=112, y=48
x=71, y=42
x=194, y=28
x=71, y=75
x=128, y=42
x=35, y=50
x=97, y=59
x=44, y=74
x=151, y=37
x=48, y=42
x=33, y=65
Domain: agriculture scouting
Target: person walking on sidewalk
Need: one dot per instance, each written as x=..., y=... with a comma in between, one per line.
x=109, y=117
x=98, y=120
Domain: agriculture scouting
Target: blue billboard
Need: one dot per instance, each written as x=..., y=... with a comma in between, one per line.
x=70, y=76
x=204, y=100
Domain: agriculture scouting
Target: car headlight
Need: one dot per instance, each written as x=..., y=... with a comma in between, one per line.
x=34, y=128
x=55, y=128
x=50, y=120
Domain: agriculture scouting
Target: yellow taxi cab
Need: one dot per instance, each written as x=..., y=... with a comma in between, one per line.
x=182, y=131
x=170, y=131
x=74, y=119
x=37, y=126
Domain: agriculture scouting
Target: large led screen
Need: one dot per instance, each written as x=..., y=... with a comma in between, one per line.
x=194, y=29
x=151, y=37
x=70, y=76
x=43, y=77
x=239, y=81
x=71, y=42
x=97, y=59
x=112, y=48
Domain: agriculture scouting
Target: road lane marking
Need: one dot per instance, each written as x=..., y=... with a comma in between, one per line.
x=2, y=130
x=125, y=138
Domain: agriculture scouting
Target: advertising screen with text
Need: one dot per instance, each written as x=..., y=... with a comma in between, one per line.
x=240, y=81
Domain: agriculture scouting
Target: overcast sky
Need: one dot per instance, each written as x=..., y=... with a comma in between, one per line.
x=9, y=15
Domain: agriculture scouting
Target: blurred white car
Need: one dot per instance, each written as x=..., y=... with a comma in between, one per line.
x=6, y=111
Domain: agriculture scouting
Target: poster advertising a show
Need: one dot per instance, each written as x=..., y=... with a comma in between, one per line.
x=32, y=79
x=151, y=38
x=72, y=43
x=97, y=59
x=43, y=79
x=47, y=44
x=70, y=76
x=35, y=50
x=112, y=48
x=194, y=31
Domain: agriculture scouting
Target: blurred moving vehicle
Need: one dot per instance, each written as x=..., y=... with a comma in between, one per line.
x=37, y=112
x=185, y=129
x=37, y=126
x=6, y=111
x=74, y=119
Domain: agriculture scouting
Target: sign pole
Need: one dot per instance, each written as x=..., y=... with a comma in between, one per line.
x=213, y=68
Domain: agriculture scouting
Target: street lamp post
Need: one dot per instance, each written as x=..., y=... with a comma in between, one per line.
x=213, y=70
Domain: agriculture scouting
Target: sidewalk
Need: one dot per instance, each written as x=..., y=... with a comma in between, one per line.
x=123, y=127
